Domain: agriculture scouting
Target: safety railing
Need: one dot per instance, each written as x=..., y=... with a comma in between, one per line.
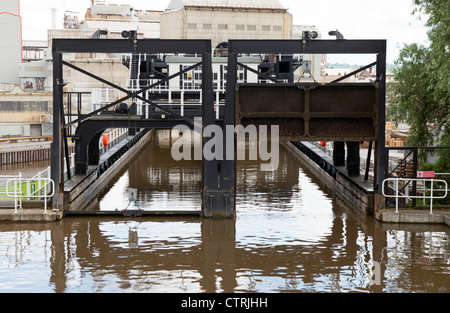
x=48, y=188
x=182, y=103
x=6, y=179
x=114, y=136
x=432, y=190
x=71, y=165
x=20, y=188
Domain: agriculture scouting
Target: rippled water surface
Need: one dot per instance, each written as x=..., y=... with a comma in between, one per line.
x=290, y=234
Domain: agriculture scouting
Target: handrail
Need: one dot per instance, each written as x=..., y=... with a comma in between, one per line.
x=432, y=196
x=18, y=195
x=182, y=104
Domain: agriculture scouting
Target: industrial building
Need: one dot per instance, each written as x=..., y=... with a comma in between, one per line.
x=27, y=85
x=223, y=20
x=115, y=19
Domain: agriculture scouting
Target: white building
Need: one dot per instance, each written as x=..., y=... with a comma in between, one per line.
x=115, y=19
x=223, y=20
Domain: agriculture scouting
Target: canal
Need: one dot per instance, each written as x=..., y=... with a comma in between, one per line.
x=291, y=234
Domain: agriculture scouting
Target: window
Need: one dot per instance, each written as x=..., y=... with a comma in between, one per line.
x=251, y=27
x=265, y=28
x=222, y=26
x=277, y=28
x=19, y=106
x=191, y=26
x=240, y=27
x=207, y=26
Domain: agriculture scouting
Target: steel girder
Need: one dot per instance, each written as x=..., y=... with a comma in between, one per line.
x=375, y=47
x=61, y=46
x=218, y=176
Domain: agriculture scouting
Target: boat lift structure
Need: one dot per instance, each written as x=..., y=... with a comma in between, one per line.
x=303, y=112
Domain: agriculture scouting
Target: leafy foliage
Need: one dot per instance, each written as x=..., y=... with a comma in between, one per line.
x=420, y=93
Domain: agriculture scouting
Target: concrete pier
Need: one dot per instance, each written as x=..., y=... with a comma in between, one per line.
x=415, y=217
x=29, y=215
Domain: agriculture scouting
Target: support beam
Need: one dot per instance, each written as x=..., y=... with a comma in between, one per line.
x=381, y=148
x=339, y=153
x=369, y=155
x=93, y=151
x=149, y=46
x=381, y=162
x=354, y=72
x=88, y=133
x=57, y=155
x=353, y=158
x=307, y=47
x=218, y=175
x=136, y=94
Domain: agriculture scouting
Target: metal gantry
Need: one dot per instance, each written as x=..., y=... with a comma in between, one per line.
x=87, y=129
x=219, y=176
x=376, y=122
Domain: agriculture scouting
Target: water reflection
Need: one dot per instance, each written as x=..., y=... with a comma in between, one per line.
x=194, y=255
x=291, y=234
x=160, y=183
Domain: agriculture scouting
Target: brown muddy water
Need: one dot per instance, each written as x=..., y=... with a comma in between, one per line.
x=291, y=234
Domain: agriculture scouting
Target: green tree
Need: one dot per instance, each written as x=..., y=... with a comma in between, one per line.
x=421, y=91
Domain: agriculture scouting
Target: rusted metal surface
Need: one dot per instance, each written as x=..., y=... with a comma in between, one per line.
x=311, y=112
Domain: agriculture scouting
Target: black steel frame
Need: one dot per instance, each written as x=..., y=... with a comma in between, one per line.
x=61, y=46
x=376, y=47
x=219, y=178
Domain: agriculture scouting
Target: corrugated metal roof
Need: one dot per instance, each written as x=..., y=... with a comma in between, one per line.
x=259, y=4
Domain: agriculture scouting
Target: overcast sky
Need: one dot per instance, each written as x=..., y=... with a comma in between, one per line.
x=356, y=19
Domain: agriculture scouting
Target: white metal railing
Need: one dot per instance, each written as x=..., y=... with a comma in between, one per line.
x=8, y=178
x=432, y=190
x=182, y=103
x=113, y=135
x=103, y=96
x=45, y=184
x=39, y=177
x=71, y=164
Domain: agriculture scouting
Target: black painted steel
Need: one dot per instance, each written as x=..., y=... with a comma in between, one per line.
x=90, y=126
x=375, y=47
x=219, y=180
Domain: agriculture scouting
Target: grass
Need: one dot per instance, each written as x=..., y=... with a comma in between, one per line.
x=23, y=188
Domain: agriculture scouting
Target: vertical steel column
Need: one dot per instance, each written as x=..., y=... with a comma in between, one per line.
x=339, y=153
x=219, y=175
x=414, y=176
x=381, y=73
x=369, y=154
x=210, y=167
x=93, y=151
x=353, y=158
x=57, y=169
x=380, y=145
x=228, y=175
